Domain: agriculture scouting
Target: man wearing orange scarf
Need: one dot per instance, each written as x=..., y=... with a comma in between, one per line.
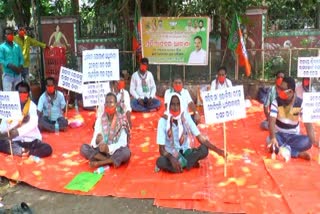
x=109, y=145
x=26, y=137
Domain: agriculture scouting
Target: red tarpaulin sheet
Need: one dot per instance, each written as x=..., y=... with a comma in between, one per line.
x=254, y=183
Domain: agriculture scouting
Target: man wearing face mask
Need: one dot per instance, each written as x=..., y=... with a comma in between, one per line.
x=271, y=97
x=51, y=107
x=25, y=42
x=25, y=135
x=284, y=127
x=175, y=139
x=11, y=60
x=143, y=89
x=221, y=81
x=123, y=97
x=187, y=102
x=304, y=86
x=109, y=144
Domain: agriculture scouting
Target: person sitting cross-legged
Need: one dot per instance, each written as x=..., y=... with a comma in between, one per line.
x=284, y=127
x=51, y=106
x=25, y=135
x=143, y=89
x=174, y=130
x=109, y=144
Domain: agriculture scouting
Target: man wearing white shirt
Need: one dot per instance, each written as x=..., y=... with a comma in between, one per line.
x=25, y=135
x=304, y=87
x=109, y=144
x=123, y=97
x=221, y=81
x=143, y=89
x=198, y=56
x=186, y=100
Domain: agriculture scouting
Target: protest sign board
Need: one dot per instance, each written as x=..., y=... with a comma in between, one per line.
x=10, y=105
x=311, y=107
x=100, y=65
x=175, y=40
x=93, y=94
x=224, y=104
x=70, y=80
x=308, y=67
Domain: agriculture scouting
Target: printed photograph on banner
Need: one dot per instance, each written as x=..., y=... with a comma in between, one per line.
x=223, y=105
x=175, y=40
x=93, y=94
x=100, y=65
x=308, y=67
x=311, y=107
x=70, y=79
x=10, y=110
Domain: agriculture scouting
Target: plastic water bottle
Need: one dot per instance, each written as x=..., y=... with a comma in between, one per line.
x=182, y=161
x=101, y=169
x=35, y=159
x=56, y=128
x=285, y=152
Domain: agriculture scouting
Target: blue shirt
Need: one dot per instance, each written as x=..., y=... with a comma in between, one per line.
x=57, y=104
x=163, y=139
x=10, y=54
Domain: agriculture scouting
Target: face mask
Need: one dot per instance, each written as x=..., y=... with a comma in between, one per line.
x=23, y=96
x=22, y=33
x=221, y=79
x=121, y=84
x=174, y=113
x=10, y=37
x=110, y=110
x=50, y=89
x=306, y=82
x=283, y=95
x=279, y=81
x=177, y=87
x=143, y=68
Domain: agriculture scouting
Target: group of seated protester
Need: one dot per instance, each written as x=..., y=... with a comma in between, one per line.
x=177, y=128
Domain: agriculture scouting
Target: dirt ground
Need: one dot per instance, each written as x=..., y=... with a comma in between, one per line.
x=55, y=203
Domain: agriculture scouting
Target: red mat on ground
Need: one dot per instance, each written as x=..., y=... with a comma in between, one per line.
x=257, y=185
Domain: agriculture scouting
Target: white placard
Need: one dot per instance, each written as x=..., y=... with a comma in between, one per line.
x=311, y=107
x=70, y=79
x=10, y=105
x=308, y=67
x=93, y=94
x=100, y=65
x=224, y=104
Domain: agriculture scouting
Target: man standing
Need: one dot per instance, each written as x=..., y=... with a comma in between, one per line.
x=198, y=56
x=25, y=42
x=11, y=60
x=51, y=106
x=284, y=124
x=143, y=89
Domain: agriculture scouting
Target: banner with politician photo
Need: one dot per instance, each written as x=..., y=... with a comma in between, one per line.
x=175, y=40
